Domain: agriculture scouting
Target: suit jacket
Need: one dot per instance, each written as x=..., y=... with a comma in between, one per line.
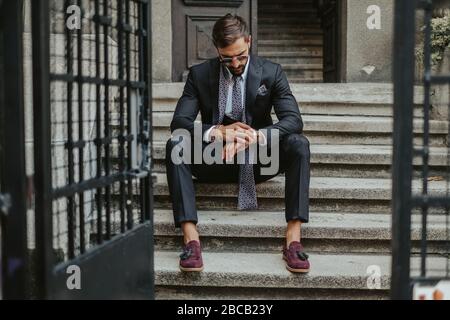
x=201, y=93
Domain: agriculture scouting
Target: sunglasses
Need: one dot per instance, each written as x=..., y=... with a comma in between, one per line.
x=229, y=61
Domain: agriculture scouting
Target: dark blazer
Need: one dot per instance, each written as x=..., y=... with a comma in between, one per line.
x=201, y=93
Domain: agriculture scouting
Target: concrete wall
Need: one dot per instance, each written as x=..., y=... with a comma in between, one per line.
x=368, y=52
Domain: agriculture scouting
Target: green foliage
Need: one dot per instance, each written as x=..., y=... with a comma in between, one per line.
x=440, y=40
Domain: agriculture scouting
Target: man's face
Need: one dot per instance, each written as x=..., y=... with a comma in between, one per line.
x=239, y=52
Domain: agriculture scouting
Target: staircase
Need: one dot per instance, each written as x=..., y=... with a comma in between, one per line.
x=289, y=33
x=349, y=127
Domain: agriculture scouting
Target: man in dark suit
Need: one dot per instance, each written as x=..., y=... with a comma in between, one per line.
x=235, y=94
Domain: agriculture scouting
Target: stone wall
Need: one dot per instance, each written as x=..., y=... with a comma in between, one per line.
x=368, y=52
x=162, y=40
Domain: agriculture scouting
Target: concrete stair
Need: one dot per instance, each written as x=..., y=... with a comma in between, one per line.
x=326, y=194
x=293, y=28
x=328, y=232
x=350, y=129
x=354, y=161
x=263, y=274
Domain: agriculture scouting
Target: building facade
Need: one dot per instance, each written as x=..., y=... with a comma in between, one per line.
x=315, y=41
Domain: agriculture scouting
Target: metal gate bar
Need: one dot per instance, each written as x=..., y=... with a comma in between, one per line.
x=126, y=79
x=14, y=242
x=403, y=201
x=404, y=31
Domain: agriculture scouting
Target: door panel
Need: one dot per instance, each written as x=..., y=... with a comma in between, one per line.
x=192, y=24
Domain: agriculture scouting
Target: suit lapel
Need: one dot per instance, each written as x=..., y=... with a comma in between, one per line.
x=253, y=82
x=214, y=88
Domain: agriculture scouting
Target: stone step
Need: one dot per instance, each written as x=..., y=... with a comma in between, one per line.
x=293, y=79
x=340, y=170
x=335, y=124
x=296, y=60
x=302, y=66
x=349, y=93
x=347, y=154
x=331, y=138
x=305, y=52
x=233, y=293
x=340, y=138
x=326, y=194
x=340, y=130
x=323, y=98
x=355, y=161
x=304, y=74
x=263, y=272
x=264, y=231
x=300, y=50
x=267, y=270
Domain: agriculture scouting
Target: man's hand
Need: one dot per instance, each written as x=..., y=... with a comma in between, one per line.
x=236, y=132
x=231, y=149
x=234, y=147
x=238, y=136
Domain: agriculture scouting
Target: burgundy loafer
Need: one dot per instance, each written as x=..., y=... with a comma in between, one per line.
x=296, y=259
x=191, y=258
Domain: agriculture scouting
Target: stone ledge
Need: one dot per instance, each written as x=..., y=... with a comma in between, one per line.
x=345, y=154
x=344, y=93
x=336, y=123
x=262, y=270
x=320, y=188
x=322, y=225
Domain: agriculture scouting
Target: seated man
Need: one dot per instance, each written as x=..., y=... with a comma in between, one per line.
x=235, y=94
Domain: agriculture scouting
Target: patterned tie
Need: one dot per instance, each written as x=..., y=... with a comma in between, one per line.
x=247, y=199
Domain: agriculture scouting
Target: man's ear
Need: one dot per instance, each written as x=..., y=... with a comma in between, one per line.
x=250, y=41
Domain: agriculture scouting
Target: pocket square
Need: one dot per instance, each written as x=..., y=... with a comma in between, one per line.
x=262, y=91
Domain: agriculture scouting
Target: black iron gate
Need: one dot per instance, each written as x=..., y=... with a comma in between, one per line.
x=12, y=154
x=408, y=270
x=91, y=106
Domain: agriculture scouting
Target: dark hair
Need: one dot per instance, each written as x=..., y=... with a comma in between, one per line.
x=228, y=29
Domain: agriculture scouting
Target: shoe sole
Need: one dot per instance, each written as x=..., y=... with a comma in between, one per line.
x=191, y=269
x=295, y=270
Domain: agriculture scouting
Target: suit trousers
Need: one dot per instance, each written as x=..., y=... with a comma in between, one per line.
x=294, y=162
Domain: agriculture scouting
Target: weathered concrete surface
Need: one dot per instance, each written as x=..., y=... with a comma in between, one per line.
x=322, y=225
x=369, y=51
x=161, y=40
x=320, y=187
